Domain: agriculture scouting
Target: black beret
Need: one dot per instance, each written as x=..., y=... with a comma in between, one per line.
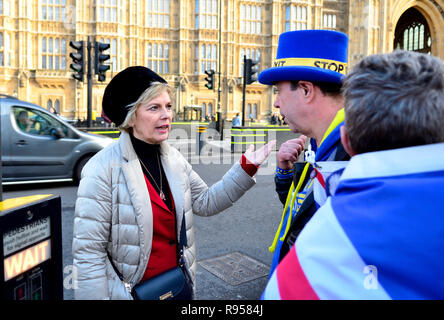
x=126, y=88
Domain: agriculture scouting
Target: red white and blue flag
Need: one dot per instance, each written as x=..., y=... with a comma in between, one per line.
x=324, y=179
x=381, y=236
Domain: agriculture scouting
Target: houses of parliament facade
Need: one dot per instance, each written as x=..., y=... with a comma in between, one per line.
x=180, y=39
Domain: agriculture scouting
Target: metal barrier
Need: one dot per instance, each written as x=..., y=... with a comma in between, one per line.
x=199, y=141
x=112, y=133
x=242, y=137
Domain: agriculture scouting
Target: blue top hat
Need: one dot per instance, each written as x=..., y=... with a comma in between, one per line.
x=310, y=55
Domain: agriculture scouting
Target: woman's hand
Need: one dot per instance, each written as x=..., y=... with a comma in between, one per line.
x=258, y=157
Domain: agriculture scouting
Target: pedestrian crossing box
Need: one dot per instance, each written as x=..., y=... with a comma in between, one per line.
x=31, y=265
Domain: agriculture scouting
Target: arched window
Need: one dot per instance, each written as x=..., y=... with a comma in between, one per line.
x=296, y=17
x=206, y=14
x=57, y=106
x=5, y=49
x=207, y=58
x=158, y=13
x=204, y=109
x=252, y=53
x=251, y=19
x=158, y=57
x=49, y=105
x=1, y=50
x=412, y=32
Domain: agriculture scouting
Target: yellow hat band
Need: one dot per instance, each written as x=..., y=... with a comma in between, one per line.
x=332, y=65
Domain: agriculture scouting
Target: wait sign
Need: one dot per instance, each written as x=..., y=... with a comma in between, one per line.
x=27, y=259
x=31, y=266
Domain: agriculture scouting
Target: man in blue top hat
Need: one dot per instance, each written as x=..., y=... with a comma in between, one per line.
x=379, y=236
x=307, y=74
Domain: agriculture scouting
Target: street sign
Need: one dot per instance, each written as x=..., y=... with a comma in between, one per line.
x=31, y=265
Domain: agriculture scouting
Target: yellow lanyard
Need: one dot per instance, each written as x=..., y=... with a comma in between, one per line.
x=290, y=200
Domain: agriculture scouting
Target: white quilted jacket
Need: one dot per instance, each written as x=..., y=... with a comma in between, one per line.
x=113, y=214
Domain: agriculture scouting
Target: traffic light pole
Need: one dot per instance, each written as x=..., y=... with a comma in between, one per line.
x=218, y=114
x=78, y=66
x=89, y=84
x=1, y=163
x=244, y=90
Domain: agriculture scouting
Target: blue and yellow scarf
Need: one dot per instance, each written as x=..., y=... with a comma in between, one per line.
x=326, y=147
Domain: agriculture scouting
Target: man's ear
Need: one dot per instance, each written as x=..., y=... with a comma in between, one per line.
x=307, y=88
x=346, y=142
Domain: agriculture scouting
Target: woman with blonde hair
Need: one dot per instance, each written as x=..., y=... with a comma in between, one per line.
x=135, y=195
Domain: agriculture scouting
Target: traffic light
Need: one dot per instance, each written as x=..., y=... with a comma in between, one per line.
x=252, y=69
x=209, y=79
x=78, y=60
x=100, y=58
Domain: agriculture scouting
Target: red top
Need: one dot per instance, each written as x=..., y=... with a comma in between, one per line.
x=248, y=167
x=163, y=255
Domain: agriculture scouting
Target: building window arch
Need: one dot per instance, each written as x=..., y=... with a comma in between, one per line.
x=2, y=48
x=329, y=21
x=251, y=18
x=252, y=111
x=54, y=10
x=107, y=10
x=4, y=7
x=250, y=53
x=5, y=49
x=206, y=58
x=114, y=52
x=296, y=17
x=57, y=106
x=412, y=32
x=158, y=13
x=157, y=56
x=204, y=110
x=206, y=14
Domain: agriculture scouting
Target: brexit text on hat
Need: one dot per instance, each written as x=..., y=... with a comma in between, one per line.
x=332, y=65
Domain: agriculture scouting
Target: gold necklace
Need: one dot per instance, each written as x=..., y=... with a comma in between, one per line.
x=161, y=194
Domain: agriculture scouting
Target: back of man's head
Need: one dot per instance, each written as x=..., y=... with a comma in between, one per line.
x=394, y=100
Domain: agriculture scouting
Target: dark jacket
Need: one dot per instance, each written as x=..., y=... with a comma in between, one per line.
x=308, y=207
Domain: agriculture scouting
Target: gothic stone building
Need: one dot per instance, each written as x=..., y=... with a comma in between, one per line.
x=180, y=40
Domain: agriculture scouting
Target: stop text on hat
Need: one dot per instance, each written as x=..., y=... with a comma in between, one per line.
x=332, y=65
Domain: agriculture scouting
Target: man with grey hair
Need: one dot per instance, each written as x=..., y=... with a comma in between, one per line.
x=379, y=236
x=393, y=101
